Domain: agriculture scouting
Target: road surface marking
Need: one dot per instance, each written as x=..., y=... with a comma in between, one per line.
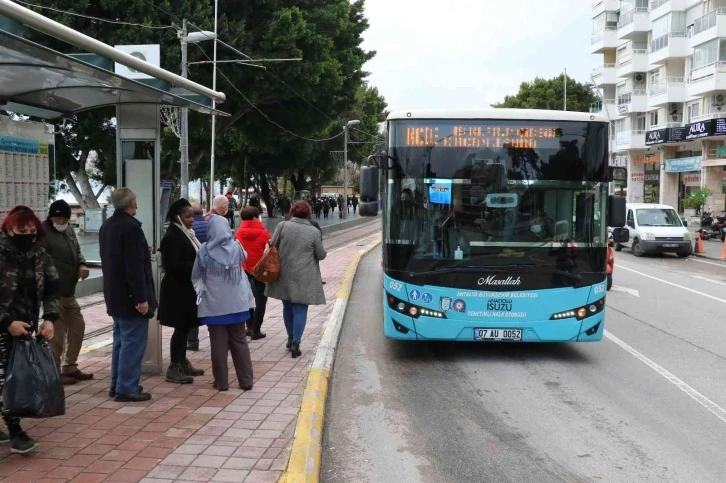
x=674, y=284
x=631, y=291
x=708, y=280
x=722, y=265
x=714, y=408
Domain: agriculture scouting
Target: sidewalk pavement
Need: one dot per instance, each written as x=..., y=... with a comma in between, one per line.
x=186, y=432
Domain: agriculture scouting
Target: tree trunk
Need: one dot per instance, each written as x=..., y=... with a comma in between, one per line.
x=246, y=181
x=265, y=191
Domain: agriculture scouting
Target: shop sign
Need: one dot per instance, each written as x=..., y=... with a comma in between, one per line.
x=637, y=177
x=683, y=165
x=662, y=136
x=623, y=108
x=704, y=129
x=619, y=161
x=645, y=159
x=652, y=177
x=692, y=179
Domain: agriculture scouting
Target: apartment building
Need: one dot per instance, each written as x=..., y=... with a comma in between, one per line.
x=662, y=80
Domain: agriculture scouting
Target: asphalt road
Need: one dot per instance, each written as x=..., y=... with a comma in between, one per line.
x=646, y=404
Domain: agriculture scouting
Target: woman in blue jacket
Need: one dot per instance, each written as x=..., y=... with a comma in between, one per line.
x=224, y=299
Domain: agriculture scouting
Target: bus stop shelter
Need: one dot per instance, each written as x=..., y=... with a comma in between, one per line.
x=43, y=83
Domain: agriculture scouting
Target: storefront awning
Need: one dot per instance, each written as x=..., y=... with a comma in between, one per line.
x=38, y=81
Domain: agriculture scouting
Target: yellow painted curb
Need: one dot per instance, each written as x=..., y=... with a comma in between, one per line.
x=305, y=459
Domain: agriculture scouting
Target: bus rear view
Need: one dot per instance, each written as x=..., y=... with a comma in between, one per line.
x=495, y=226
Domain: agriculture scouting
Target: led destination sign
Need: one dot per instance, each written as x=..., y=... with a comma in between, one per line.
x=482, y=136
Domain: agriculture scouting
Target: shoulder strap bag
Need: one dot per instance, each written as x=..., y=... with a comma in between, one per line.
x=268, y=268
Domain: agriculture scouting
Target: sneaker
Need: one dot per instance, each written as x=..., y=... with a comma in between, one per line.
x=21, y=443
x=4, y=437
x=138, y=397
x=189, y=370
x=176, y=374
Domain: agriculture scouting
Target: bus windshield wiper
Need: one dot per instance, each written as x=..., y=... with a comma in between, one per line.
x=484, y=268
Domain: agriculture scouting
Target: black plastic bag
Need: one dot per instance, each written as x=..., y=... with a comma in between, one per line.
x=33, y=387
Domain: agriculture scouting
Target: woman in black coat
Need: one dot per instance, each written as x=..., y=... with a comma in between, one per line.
x=178, y=301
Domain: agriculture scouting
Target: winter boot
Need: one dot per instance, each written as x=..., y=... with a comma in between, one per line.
x=176, y=374
x=189, y=370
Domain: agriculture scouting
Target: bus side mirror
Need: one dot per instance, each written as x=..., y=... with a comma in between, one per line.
x=369, y=191
x=616, y=211
x=621, y=235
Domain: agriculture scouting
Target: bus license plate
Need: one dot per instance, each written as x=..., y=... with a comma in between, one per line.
x=498, y=334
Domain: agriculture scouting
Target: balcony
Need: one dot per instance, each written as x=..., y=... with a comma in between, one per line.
x=627, y=140
x=635, y=21
x=658, y=8
x=671, y=46
x=636, y=61
x=610, y=110
x=635, y=101
x=604, y=75
x=709, y=27
x=605, y=40
x=602, y=6
x=707, y=79
x=668, y=91
x=706, y=117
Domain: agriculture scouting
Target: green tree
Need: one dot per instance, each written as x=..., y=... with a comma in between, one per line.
x=308, y=98
x=549, y=94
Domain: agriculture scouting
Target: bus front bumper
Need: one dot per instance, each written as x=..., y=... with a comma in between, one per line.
x=397, y=326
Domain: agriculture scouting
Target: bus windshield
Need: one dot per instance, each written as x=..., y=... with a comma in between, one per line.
x=469, y=193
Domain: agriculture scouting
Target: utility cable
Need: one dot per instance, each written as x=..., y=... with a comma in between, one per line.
x=97, y=19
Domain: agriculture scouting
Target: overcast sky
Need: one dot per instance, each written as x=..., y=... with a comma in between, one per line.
x=471, y=53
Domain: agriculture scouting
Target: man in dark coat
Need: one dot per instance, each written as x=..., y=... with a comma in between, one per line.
x=128, y=288
x=62, y=245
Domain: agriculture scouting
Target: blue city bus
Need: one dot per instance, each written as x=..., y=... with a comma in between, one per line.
x=495, y=225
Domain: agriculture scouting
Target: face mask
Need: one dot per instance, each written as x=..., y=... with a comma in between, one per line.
x=60, y=228
x=24, y=242
x=536, y=228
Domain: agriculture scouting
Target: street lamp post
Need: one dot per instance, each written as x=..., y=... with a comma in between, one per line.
x=345, y=161
x=186, y=39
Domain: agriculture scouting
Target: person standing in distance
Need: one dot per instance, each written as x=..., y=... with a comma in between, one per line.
x=128, y=288
x=200, y=225
x=231, y=207
x=62, y=245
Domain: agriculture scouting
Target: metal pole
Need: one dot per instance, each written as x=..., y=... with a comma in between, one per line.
x=184, y=138
x=345, y=170
x=565, y=94
x=73, y=37
x=214, y=118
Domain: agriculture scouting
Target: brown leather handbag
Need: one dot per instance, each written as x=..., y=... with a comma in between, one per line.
x=268, y=268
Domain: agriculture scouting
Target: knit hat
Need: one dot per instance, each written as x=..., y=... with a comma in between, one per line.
x=59, y=208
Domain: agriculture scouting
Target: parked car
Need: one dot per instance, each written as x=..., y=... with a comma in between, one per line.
x=656, y=228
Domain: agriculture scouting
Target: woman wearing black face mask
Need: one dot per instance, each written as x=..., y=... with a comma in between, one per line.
x=28, y=280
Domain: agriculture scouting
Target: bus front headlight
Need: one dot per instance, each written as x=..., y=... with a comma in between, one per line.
x=581, y=312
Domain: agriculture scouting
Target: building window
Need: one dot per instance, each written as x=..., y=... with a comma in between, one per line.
x=654, y=118
x=692, y=111
x=620, y=125
x=640, y=123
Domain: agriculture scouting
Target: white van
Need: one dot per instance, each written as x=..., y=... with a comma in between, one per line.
x=656, y=229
